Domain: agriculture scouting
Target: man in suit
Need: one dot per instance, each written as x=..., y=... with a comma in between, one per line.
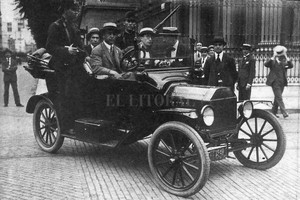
x=93, y=36
x=174, y=48
x=246, y=73
x=220, y=69
x=65, y=45
x=197, y=54
x=277, y=77
x=9, y=68
x=146, y=37
x=106, y=57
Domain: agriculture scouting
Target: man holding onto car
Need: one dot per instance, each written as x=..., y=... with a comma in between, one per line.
x=65, y=45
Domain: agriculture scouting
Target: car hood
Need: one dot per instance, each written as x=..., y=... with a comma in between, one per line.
x=198, y=92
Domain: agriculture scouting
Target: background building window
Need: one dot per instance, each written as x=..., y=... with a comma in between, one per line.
x=9, y=27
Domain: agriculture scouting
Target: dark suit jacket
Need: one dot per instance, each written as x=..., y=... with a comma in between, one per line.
x=9, y=73
x=56, y=42
x=246, y=71
x=277, y=71
x=88, y=49
x=228, y=73
x=101, y=59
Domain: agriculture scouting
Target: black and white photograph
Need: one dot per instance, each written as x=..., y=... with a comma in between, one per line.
x=150, y=99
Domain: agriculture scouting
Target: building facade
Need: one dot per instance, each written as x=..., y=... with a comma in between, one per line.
x=15, y=34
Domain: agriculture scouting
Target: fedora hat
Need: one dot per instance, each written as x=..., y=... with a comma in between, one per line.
x=170, y=31
x=109, y=26
x=146, y=30
x=219, y=40
x=280, y=51
x=91, y=32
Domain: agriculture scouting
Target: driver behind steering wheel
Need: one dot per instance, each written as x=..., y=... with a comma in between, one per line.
x=105, y=57
x=145, y=35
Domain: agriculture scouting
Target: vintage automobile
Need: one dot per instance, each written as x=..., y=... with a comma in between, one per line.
x=190, y=125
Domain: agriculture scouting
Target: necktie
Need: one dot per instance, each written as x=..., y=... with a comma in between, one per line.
x=218, y=58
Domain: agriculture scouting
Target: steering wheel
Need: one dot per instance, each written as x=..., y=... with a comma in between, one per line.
x=129, y=61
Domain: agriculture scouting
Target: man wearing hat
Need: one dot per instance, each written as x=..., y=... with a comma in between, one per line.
x=197, y=54
x=106, y=57
x=246, y=73
x=174, y=48
x=9, y=68
x=220, y=69
x=146, y=35
x=127, y=37
x=277, y=77
x=65, y=45
x=93, y=36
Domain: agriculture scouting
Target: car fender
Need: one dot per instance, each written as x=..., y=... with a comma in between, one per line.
x=32, y=102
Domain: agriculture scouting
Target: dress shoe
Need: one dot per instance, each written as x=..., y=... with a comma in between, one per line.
x=70, y=132
x=277, y=116
x=285, y=116
x=5, y=105
x=19, y=105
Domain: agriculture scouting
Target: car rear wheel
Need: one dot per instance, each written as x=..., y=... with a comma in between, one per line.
x=46, y=127
x=178, y=159
x=266, y=141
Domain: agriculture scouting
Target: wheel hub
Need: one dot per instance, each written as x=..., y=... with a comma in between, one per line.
x=257, y=139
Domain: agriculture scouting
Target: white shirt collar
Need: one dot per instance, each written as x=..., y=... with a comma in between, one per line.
x=107, y=45
x=220, y=55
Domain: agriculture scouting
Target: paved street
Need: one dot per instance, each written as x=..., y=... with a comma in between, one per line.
x=84, y=171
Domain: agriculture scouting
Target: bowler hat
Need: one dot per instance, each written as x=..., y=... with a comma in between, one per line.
x=170, y=31
x=91, y=32
x=280, y=50
x=109, y=26
x=146, y=30
x=68, y=4
x=219, y=40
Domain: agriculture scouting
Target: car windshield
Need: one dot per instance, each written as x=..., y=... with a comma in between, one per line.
x=168, y=52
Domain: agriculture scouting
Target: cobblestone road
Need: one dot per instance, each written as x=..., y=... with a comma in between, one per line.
x=84, y=171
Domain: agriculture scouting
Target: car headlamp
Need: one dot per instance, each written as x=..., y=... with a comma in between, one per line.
x=246, y=109
x=208, y=115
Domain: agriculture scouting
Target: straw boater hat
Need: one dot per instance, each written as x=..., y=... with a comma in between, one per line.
x=246, y=47
x=204, y=49
x=280, y=51
x=146, y=30
x=219, y=40
x=91, y=32
x=170, y=31
x=109, y=26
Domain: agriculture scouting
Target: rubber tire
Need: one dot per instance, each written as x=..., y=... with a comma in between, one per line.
x=190, y=133
x=55, y=146
x=280, y=148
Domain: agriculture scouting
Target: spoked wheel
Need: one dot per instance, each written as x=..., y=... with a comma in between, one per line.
x=46, y=127
x=265, y=139
x=178, y=159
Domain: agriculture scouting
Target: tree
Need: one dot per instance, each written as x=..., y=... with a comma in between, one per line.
x=40, y=14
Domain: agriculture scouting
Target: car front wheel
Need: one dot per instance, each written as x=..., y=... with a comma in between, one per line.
x=46, y=127
x=178, y=159
x=266, y=141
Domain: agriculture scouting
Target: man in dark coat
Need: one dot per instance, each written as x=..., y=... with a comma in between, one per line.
x=220, y=69
x=9, y=68
x=65, y=46
x=277, y=77
x=127, y=37
x=246, y=73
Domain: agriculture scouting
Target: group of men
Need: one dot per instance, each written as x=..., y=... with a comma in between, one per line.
x=219, y=69
x=65, y=45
